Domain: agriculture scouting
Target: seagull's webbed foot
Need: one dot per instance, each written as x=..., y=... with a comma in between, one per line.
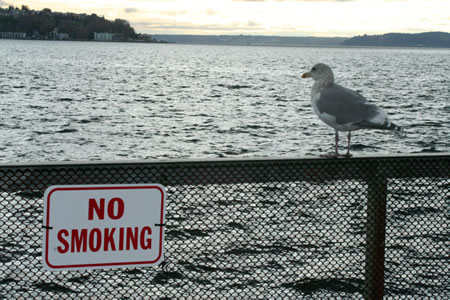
x=349, y=136
x=348, y=154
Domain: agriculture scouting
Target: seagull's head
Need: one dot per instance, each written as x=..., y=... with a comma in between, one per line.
x=320, y=72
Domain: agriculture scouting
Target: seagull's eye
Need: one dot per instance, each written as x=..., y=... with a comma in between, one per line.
x=313, y=69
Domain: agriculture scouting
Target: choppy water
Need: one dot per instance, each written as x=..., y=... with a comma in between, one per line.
x=109, y=101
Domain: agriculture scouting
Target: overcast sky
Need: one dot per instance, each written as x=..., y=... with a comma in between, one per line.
x=264, y=17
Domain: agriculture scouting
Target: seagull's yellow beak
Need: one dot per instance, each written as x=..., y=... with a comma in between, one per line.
x=306, y=75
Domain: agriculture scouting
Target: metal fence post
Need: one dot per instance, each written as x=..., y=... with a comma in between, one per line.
x=375, y=236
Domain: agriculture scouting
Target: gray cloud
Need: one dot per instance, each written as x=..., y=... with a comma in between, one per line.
x=173, y=13
x=251, y=23
x=129, y=10
x=177, y=26
x=3, y=3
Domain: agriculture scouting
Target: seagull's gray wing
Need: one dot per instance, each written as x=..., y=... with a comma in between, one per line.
x=347, y=106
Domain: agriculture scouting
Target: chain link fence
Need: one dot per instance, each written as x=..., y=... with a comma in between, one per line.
x=251, y=229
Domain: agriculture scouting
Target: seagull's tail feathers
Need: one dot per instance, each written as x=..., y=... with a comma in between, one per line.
x=387, y=125
x=395, y=127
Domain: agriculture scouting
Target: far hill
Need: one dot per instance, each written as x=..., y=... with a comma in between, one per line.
x=426, y=39
x=253, y=40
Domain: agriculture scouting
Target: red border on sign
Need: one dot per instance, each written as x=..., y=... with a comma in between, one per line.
x=104, y=188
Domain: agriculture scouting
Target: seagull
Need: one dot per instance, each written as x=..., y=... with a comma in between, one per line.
x=343, y=109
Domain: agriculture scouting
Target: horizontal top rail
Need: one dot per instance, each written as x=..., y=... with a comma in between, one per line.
x=32, y=176
x=221, y=160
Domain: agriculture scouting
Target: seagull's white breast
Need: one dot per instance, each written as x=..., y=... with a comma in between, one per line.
x=326, y=118
x=314, y=98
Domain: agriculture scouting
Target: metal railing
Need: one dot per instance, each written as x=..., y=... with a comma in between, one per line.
x=362, y=227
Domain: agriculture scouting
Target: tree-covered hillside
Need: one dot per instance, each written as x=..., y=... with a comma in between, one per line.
x=78, y=26
x=426, y=39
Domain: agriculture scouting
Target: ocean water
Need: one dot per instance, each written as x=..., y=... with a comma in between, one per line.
x=116, y=101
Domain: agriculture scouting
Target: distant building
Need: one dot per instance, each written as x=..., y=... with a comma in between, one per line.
x=56, y=35
x=103, y=36
x=13, y=35
x=146, y=37
x=63, y=36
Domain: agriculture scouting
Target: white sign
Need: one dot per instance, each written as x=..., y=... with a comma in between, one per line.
x=103, y=226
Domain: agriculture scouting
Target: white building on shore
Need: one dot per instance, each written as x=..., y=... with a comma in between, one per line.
x=56, y=35
x=103, y=36
x=13, y=35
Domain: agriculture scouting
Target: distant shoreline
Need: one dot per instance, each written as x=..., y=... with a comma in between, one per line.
x=314, y=46
x=402, y=40
x=243, y=45
x=73, y=40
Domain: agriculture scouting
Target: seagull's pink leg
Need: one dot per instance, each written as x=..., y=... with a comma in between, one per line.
x=336, y=147
x=349, y=136
x=336, y=143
